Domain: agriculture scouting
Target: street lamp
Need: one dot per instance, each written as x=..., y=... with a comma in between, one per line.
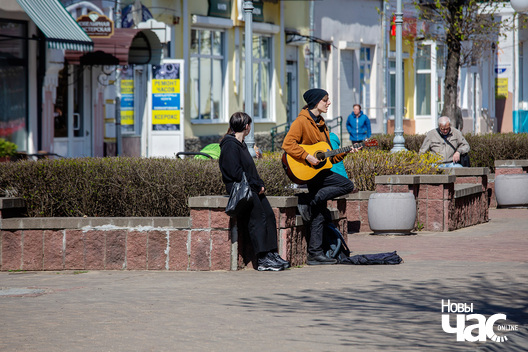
x=399, y=141
x=248, y=84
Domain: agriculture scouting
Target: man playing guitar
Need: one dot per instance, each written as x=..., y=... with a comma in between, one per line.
x=309, y=128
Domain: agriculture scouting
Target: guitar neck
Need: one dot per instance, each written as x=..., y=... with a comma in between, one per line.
x=335, y=152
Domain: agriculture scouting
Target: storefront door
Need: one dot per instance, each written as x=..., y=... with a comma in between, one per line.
x=73, y=112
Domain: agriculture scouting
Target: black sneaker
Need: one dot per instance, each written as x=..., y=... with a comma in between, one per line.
x=320, y=260
x=285, y=264
x=268, y=263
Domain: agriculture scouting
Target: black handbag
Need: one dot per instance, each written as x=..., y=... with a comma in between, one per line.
x=239, y=197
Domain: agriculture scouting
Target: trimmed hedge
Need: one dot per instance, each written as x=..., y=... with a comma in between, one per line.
x=122, y=187
x=118, y=187
x=485, y=148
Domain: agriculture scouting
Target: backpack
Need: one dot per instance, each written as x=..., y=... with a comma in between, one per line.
x=334, y=245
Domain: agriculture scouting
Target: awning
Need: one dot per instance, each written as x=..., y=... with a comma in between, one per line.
x=126, y=46
x=59, y=27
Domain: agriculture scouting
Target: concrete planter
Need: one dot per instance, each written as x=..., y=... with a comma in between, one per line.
x=511, y=190
x=392, y=213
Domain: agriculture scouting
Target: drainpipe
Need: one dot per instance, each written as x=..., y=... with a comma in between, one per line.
x=312, y=45
x=119, y=141
x=248, y=90
x=385, y=50
x=399, y=141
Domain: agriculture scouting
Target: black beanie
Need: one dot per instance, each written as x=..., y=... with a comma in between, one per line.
x=314, y=96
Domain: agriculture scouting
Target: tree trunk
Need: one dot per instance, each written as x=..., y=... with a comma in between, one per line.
x=454, y=47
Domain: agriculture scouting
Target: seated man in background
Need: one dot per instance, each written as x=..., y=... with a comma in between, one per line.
x=447, y=142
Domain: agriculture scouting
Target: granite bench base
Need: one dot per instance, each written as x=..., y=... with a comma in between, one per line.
x=210, y=240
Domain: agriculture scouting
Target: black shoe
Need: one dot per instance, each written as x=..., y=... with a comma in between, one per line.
x=285, y=264
x=268, y=263
x=320, y=260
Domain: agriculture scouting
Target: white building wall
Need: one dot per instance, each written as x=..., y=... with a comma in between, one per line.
x=350, y=25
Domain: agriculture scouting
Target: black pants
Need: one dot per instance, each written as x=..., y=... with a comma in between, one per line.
x=326, y=185
x=260, y=221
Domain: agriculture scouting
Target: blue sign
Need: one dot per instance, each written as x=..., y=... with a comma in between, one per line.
x=127, y=101
x=166, y=101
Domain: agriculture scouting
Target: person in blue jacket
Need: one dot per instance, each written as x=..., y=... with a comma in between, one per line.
x=338, y=168
x=358, y=125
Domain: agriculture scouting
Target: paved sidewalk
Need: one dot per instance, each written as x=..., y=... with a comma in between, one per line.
x=327, y=308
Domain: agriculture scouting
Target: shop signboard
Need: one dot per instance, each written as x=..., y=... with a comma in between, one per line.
x=219, y=8
x=127, y=99
x=96, y=25
x=166, y=107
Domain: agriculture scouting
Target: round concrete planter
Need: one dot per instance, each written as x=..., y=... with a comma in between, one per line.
x=392, y=213
x=511, y=190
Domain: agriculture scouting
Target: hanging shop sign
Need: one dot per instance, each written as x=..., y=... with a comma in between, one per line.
x=219, y=8
x=96, y=25
x=127, y=99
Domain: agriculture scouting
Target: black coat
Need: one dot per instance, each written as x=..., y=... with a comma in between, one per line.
x=234, y=159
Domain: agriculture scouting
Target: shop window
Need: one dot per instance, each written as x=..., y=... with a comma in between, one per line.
x=13, y=83
x=261, y=75
x=423, y=80
x=207, y=75
x=365, y=69
x=320, y=59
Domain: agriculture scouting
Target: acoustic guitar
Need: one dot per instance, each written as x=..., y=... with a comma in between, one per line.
x=301, y=171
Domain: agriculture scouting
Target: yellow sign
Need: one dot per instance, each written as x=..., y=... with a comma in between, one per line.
x=165, y=86
x=501, y=88
x=127, y=86
x=127, y=117
x=165, y=117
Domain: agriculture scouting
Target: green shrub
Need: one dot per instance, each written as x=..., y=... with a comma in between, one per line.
x=364, y=166
x=485, y=149
x=7, y=148
x=111, y=186
x=122, y=186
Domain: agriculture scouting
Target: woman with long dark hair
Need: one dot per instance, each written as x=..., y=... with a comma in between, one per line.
x=258, y=217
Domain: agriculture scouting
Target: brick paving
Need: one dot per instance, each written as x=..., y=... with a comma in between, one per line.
x=329, y=308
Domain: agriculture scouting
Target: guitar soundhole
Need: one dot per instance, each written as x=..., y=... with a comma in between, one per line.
x=320, y=156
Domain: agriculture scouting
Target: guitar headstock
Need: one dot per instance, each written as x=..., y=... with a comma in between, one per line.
x=370, y=142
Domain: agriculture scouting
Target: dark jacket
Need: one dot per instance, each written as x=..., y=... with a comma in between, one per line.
x=235, y=158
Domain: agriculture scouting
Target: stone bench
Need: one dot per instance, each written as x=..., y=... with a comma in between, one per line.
x=476, y=175
x=509, y=167
x=440, y=205
x=209, y=239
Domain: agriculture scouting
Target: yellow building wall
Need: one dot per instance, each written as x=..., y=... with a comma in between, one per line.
x=408, y=78
x=296, y=16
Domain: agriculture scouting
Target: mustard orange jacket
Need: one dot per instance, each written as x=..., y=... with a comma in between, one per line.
x=304, y=130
